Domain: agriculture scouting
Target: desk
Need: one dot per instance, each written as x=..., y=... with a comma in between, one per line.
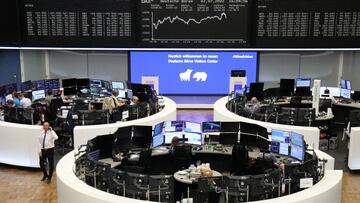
x=185, y=178
x=19, y=144
x=84, y=133
x=221, y=113
x=70, y=189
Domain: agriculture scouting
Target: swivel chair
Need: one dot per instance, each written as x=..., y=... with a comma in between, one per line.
x=182, y=157
x=240, y=159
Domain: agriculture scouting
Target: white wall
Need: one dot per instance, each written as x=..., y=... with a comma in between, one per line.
x=328, y=66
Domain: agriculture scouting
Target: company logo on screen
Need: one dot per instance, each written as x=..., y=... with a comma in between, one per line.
x=198, y=76
x=196, y=73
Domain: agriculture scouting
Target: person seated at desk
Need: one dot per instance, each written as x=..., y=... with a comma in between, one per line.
x=111, y=103
x=49, y=97
x=174, y=144
x=253, y=106
x=327, y=95
x=135, y=100
x=14, y=101
x=24, y=102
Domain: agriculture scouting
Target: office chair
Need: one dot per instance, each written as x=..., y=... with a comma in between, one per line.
x=295, y=102
x=55, y=105
x=161, y=188
x=324, y=104
x=142, y=165
x=182, y=157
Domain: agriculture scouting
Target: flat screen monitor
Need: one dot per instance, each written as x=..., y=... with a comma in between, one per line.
x=303, y=91
x=142, y=136
x=297, y=139
x=158, y=140
x=69, y=83
x=345, y=93
x=348, y=84
x=287, y=87
x=122, y=94
x=256, y=90
x=123, y=138
x=229, y=127
x=208, y=127
x=118, y=85
x=228, y=138
x=38, y=85
x=297, y=152
x=9, y=88
x=129, y=94
x=303, y=82
x=170, y=135
x=192, y=127
x=143, y=92
x=25, y=86
x=38, y=94
x=280, y=136
x=83, y=82
x=158, y=129
x=52, y=84
x=193, y=138
x=96, y=84
x=84, y=90
x=69, y=91
x=173, y=126
x=345, y=84
x=333, y=91
x=280, y=142
x=195, y=73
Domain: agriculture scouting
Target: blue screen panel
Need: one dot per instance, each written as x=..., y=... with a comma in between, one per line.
x=192, y=72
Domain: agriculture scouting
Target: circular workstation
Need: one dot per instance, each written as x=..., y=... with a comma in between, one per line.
x=77, y=115
x=218, y=162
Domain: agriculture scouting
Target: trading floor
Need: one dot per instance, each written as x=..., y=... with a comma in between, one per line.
x=22, y=185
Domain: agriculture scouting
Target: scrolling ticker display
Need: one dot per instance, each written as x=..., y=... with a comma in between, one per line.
x=181, y=23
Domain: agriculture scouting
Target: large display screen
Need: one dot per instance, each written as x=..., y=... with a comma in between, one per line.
x=192, y=72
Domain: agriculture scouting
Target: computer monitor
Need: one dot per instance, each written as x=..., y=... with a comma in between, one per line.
x=193, y=138
x=287, y=87
x=123, y=138
x=303, y=91
x=158, y=140
x=348, y=84
x=143, y=92
x=84, y=90
x=38, y=85
x=228, y=138
x=256, y=90
x=38, y=94
x=229, y=127
x=129, y=94
x=334, y=91
x=25, y=86
x=280, y=142
x=52, y=84
x=192, y=127
x=9, y=88
x=122, y=94
x=208, y=127
x=118, y=85
x=303, y=82
x=96, y=83
x=345, y=93
x=173, y=126
x=69, y=91
x=158, y=129
x=297, y=152
x=142, y=136
x=69, y=82
x=297, y=139
x=170, y=135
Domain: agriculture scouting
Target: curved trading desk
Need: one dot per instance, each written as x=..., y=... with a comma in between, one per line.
x=19, y=142
x=71, y=189
x=84, y=133
x=311, y=134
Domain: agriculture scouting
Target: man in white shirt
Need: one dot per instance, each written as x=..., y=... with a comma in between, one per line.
x=47, y=143
x=24, y=102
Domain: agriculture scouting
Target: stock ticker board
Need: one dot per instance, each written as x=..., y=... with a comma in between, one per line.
x=181, y=23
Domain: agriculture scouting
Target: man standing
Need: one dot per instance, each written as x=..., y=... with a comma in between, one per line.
x=47, y=143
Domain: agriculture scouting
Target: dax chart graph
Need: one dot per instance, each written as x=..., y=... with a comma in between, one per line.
x=194, y=22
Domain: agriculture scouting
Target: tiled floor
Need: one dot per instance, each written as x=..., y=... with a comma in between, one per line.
x=23, y=185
